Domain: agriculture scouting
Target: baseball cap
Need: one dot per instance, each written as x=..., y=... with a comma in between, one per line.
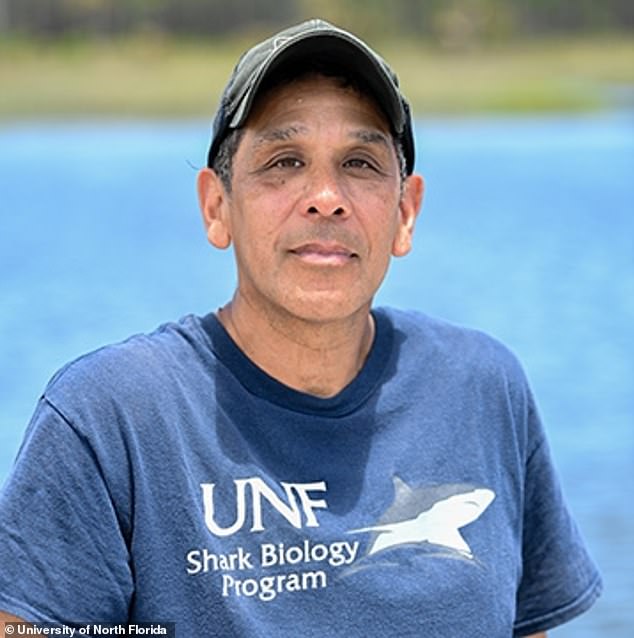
x=304, y=41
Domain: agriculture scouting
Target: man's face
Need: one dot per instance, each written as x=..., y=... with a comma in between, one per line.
x=316, y=207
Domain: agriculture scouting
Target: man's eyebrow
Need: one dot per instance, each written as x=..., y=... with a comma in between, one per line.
x=371, y=137
x=278, y=134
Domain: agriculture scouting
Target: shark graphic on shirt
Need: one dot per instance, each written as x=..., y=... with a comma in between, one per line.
x=431, y=515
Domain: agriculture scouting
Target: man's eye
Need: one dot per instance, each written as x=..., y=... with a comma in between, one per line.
x=358, y=162
x=287, y=162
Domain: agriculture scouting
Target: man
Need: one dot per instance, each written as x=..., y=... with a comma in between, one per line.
x=298, y=463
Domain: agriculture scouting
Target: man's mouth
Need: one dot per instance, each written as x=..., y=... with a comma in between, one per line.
x=324, y=254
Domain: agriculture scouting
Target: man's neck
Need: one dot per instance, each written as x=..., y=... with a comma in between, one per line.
x=318, y=357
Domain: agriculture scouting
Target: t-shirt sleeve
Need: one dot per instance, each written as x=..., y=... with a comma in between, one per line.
x=63, y=554
x=559, y=579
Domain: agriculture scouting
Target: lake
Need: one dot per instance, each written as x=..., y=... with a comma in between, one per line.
x=527, y=232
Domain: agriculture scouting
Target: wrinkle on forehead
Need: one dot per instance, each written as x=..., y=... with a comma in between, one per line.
x=272, y=120
x=366, y=136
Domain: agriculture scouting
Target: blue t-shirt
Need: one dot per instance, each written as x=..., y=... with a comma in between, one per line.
x=170, y=479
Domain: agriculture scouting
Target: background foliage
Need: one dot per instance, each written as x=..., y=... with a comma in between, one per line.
x=448, y=21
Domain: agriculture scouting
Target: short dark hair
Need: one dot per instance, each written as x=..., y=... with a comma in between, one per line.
x=286, y=74
x=223, y=162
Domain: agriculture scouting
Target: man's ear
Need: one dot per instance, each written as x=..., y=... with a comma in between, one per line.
x=214, y=209
x=409, y=207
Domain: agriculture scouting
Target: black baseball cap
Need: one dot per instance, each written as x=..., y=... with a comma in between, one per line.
x=307, y=40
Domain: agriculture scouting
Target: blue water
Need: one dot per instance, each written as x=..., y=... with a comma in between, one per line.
x=527, y=232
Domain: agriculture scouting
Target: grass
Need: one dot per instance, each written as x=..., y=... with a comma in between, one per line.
x=154, y=77
x=525, y=76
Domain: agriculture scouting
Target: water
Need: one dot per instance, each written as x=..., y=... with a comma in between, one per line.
x=527, y=232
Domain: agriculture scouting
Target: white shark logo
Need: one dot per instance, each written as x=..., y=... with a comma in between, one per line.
x=438, y=524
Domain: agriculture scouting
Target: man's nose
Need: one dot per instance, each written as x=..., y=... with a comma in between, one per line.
x=325, y=195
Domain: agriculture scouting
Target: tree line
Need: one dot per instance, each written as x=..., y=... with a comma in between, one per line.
x=433, y=19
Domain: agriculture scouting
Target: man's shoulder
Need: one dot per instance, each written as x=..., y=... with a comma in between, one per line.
x=423, y=335
x=134, y=365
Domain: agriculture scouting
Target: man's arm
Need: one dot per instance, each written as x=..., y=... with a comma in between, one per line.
x=542, y=635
